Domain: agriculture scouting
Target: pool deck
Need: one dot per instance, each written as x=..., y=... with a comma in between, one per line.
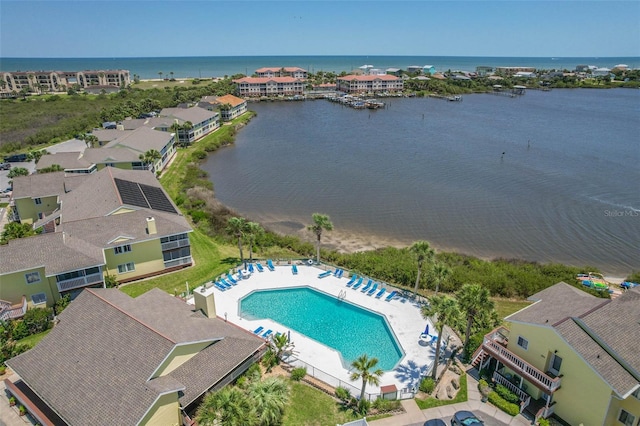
x=403, y=315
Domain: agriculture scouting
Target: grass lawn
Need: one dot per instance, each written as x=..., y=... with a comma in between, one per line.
x=309, y=406
x=433, y=402
x=33, y=339
x=211, y=259
x=506, y=307
x=179, y=82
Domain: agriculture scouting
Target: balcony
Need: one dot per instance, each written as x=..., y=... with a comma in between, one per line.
x=493, y=345
x=78, y=282
x=178, y=262
x=9, y=311
x=171, y=245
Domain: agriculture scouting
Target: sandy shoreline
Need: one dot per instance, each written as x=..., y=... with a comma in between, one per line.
x=344, y=241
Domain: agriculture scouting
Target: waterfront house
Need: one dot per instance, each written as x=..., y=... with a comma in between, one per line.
x=601, y=72
x=270, y=86
x=195, y=123
x=145, y=139
x=115, y=360
x=394, y=71
x=483, y=71
x=525, y=74
x=230, y=106
x=116, y=222
x=414, y=69
x=429, y=69
x=508, y=71
x=570, y=354
x=369, y=83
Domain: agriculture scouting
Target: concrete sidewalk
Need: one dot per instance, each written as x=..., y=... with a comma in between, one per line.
x=415, y=416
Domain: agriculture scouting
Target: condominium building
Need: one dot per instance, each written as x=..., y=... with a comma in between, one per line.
x=294, y=72
x=270, y=86
x=60, y=81
x=369, y=83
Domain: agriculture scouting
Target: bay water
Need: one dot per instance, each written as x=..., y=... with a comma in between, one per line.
x=548, y=176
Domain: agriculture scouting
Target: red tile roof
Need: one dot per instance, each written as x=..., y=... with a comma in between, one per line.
x=277, y=69
x=370, y=77
x=230, y=99
x=259, y=80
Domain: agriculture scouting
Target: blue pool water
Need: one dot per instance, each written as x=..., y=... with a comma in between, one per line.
x=347, y=328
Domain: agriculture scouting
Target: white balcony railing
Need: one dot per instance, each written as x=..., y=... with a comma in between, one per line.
x=524, y=397
x=519, y=365
x=171, y=245
x=178, y=262
x=8, y=311
x=78, y=282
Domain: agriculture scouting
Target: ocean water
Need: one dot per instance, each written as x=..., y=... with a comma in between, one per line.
x=567, y=188
x=218, y=66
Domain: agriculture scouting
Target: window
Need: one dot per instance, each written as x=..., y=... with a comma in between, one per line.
x=523, y=343
x=625, y=418
x=38, y=201
x=122, y=249
x=126, y=267
x=32, y=277
x=555, y=364
x=39, y=298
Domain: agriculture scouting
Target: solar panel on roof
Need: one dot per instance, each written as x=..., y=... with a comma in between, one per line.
x=130, y=193
x=141, y=195
x=157, y=198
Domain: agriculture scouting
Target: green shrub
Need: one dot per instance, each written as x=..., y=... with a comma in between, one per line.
x=506, y=394
x=383, y=405
x=298, y=373
x=19, y=330
x=427, y=385
x=363, y=406
x=543, y=422
x=269, y=360
x=342, y=394
x=254, y=372
x=38, y=320
x=507, y=407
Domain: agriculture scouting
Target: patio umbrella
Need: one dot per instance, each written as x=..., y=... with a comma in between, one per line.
x=426, y=330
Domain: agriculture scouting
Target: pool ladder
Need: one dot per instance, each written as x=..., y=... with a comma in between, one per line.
x=342, y=295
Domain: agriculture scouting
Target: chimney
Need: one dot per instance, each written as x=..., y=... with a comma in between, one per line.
x=151, y=226
x=205, y=302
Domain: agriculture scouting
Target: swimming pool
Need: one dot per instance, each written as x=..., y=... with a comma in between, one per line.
x=347, y=328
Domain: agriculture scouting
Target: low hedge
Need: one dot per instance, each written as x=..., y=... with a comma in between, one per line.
x=506, y=394
x=506, y=406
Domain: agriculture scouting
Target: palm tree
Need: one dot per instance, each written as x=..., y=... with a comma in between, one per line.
x=445, y=311
x=361, y=367
x=269, y=398
x=475, y=303
x=281, y=346
x=229, y=406
x=440, y=274
x=175, y=128
x=171, y=73
x=320, y=222
x=150, y=157
x=422, y=252
x=160, y=74
x=90, y=140
x=236, y=227
x=252, y=230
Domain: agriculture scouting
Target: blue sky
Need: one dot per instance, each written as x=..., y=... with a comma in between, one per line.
x=389, y=27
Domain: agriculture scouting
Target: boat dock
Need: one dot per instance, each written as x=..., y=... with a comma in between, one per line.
x=356, y=102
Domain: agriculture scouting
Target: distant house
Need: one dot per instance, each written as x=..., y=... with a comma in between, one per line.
x=484, y=71
x=369, y=83
x=71, y=162
x=601, y=72
x=230, y=106
x=270, y=86
x=525, y=74
x=270, y=72
x=394, y=71
x=414, y=69
x=117, y=360
x=429, y=69
x=508, y=71
x=60, y=81
x=116, y=222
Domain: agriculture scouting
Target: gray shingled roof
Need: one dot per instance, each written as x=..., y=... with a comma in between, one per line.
x=141, y=140
x=66, y=160
x=36, y=185
x=110, y=155
x=94, y=366
x=556, y=303
x=194, y=114
x=107, y=135
x=57, y=252
x=99, y=196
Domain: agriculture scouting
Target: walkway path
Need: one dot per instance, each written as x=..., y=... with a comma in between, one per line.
x=415, y=416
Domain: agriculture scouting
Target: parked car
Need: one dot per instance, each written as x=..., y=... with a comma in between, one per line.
x=5, y=166
x=435, y=422
x=16, y=158
x=465, y=418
